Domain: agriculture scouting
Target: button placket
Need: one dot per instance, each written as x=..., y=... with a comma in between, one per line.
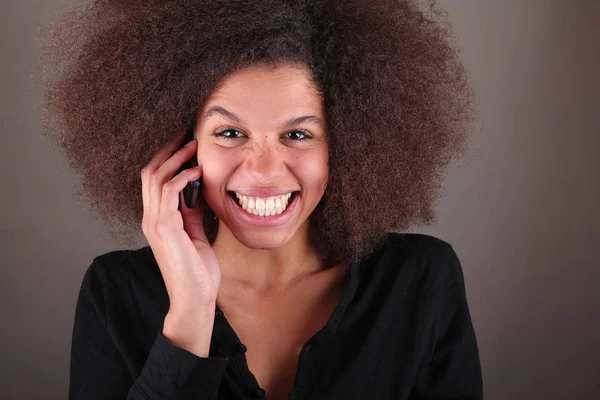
x=306, y=348
x=294, y=394
x=301, y=373
x=241, y=347
x=238, y=362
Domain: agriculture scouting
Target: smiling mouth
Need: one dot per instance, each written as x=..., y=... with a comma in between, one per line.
x=264, y=207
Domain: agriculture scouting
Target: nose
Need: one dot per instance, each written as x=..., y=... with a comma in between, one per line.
x=264, y=164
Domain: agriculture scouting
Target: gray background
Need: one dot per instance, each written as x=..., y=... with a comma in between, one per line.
x=521, y=210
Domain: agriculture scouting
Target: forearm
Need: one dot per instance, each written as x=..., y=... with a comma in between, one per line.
x=190, y=328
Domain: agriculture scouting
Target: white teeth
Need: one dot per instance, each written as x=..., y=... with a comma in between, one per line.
x=264, y=206
x=269, y=205
x=260, y=204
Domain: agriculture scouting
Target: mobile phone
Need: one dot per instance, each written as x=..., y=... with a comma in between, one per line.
x=191, y=191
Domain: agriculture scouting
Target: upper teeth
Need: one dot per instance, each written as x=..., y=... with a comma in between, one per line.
x=264, y=206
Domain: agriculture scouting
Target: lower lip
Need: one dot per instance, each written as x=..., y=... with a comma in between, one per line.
x=270, y=221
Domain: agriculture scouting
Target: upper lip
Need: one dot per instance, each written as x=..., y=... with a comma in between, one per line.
x=263, y=192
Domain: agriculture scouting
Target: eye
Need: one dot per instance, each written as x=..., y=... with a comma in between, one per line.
x=297, y=135
x=227, y=134
x=303, y=135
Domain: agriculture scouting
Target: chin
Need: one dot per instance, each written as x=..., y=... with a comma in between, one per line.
x=261, y=240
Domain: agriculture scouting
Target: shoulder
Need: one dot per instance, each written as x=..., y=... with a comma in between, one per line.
x=426, y=259
x=415, y=240
x=120, y=268
x=123, y=291
x=415, y=246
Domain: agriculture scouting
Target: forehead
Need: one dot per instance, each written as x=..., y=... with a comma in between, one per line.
x=267, y=93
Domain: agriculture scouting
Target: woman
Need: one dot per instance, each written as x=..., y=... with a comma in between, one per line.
x=320, y=130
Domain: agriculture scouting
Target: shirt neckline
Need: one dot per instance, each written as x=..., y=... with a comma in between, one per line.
x=332, y=324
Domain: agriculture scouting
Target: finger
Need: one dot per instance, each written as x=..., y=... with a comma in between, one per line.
x=166, y=152
x=170, y=167
x=170, y=191
x=145, y=193
x=193, y=220
x=165, y=173
x=149, y=201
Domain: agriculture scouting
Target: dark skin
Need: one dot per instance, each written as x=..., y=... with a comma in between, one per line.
x=392, y=126
x=392, y=122
x=267, y=270
x=263, y=269
x=274, y=325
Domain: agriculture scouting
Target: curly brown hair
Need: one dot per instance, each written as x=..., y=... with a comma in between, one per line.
x=121, y=77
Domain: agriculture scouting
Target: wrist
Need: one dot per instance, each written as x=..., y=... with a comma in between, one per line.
x=196, y=315
x=184, y=303
x=190, y=329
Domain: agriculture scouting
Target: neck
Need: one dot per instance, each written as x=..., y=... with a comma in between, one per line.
x=266, y=269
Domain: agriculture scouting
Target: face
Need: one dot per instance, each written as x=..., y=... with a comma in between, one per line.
x=262, y=145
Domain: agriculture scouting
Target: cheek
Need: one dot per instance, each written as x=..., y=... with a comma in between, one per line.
x=314, y=168
x=215, y=166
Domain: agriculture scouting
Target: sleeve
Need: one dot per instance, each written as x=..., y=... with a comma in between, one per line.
x=454, y=370
x=98, y=370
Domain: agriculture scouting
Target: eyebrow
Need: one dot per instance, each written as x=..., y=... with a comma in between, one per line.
x=218, y=110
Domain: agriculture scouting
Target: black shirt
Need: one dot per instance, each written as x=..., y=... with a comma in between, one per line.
x=402, y=331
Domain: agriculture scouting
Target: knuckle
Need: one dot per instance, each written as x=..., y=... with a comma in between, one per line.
x=162, y=228
x=153, y=177
x=146, y=226
x=168, y=187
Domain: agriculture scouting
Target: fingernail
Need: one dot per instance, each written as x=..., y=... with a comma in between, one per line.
x=188, y=144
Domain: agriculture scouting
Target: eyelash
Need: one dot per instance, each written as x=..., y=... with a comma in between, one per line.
x=219, y=134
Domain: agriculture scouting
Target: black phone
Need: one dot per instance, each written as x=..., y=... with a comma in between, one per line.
x=191, y=191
